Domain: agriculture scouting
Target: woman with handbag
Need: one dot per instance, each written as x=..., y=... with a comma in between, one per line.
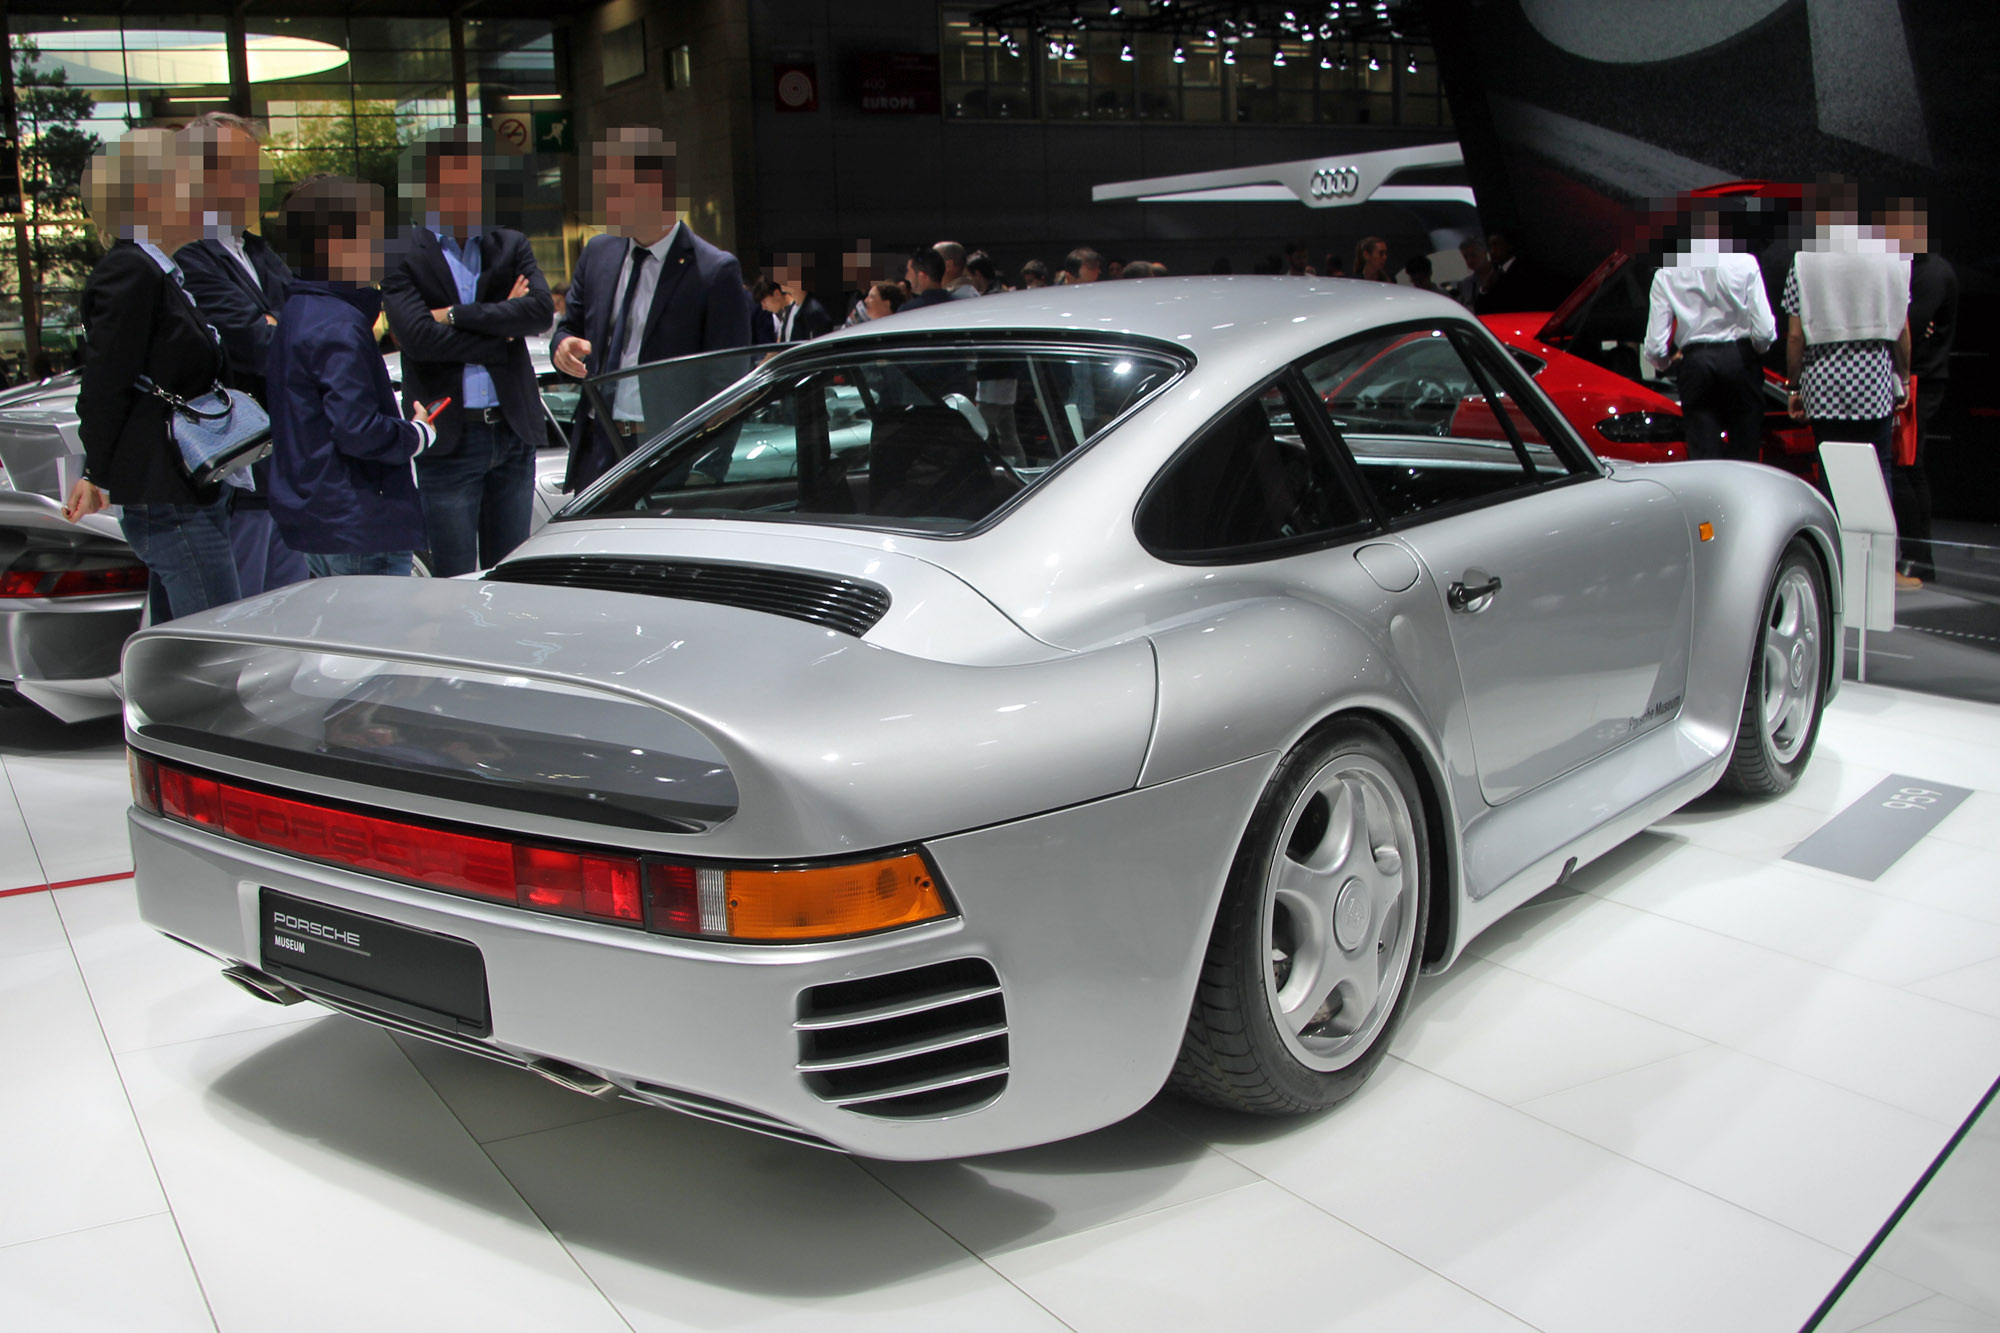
x=146, y=339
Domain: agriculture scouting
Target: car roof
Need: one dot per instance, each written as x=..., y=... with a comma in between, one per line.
x=1256, y=321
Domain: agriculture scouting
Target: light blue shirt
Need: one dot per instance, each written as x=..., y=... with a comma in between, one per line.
x=463, y=258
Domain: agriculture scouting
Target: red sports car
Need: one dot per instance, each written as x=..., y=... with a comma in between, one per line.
x=1586, y=357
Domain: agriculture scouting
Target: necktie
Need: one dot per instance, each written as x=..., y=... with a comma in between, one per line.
x=622, y=325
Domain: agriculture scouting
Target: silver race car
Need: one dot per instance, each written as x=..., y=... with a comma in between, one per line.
x=967, y=724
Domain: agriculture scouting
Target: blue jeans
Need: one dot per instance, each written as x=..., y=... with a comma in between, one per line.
x=361, y=562
x=187, y=549
x=477, y=499
x=263, y=561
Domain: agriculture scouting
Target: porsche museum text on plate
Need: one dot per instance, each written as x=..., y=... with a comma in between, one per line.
x=965, y=725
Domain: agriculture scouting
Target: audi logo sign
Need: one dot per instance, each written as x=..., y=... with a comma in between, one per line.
x=1335, y=182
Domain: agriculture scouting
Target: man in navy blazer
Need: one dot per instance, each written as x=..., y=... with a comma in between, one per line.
x=240, y=284
x=650, y=285
x=462, y=297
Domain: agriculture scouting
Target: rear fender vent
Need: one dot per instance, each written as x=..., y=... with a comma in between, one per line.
x=913, y=1045
x=848, y=605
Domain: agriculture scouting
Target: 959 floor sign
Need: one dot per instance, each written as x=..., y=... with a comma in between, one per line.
x=1871, y=835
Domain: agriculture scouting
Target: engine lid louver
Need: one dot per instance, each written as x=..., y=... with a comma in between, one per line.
x=848, y=605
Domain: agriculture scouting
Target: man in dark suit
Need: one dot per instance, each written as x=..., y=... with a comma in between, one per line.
x=1517, y=283
x=647, y=290
x=461, y=297
x=240, y=284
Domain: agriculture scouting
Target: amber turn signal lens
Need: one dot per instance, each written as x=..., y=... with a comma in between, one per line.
x=1707, y=531
x=820, y=902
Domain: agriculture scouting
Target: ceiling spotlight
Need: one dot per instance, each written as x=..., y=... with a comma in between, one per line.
x=1125, y=53
x=1412, y=66
x=1228, y=55
x=1343, y=62
x=1278, y=56
x=1374, y=64
x=1069, y=49
x=1180, y=54
x=1325, y=61
x=1055, y=48
x=1116, y=10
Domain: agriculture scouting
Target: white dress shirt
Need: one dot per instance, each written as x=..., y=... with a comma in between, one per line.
x=625, y=404
x=1707, y=294
x=232, y=241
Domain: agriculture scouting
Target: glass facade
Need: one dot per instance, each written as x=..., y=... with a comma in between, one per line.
x=341, y=94
x=994, y=74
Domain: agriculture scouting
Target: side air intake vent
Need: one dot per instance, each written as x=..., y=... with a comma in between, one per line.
x=847, y=605
x=911, y=1045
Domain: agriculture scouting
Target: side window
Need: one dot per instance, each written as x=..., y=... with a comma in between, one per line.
x=1422, y=426
x=1252, y=479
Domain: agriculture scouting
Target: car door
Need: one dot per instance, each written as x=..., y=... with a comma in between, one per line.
x=1567, y=592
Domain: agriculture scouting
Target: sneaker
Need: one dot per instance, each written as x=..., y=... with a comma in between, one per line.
x=1908, y=582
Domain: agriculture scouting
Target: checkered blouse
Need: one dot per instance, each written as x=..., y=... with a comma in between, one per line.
x=1843, y=381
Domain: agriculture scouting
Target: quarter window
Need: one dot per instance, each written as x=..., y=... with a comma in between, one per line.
x=1253, y=479
x=1426, y=429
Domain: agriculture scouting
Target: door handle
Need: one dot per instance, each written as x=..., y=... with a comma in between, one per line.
x=1475, y=598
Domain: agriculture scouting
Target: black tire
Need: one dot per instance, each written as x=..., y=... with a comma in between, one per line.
x=1779, y=724
x=1235, y=1054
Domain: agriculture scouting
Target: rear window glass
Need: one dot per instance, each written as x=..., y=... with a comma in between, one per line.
x=932, y=440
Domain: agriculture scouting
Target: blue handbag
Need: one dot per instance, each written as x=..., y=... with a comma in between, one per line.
x=215, y=433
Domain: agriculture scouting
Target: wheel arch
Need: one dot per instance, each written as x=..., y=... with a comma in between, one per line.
x=1440, y=823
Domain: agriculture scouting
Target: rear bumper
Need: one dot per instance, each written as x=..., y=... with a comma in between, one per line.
x=1092, y=919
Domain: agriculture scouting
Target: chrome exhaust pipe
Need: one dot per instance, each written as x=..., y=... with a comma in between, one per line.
x=261, y=984
x=576, y=1080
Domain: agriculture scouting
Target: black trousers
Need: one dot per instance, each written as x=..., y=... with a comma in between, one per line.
x=1910, y=487
x=1722, y=400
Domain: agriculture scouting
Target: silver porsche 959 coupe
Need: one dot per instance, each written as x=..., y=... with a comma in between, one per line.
x=964, y=726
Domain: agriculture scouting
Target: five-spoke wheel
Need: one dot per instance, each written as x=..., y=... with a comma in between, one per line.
x=1315, y=949
x=1786, y=691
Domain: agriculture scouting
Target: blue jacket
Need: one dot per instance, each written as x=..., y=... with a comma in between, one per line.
x=341, y=447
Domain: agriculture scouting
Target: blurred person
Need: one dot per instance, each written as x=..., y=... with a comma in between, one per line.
x=956, y=283
x=1270, y=266
x=1847, y=343
x=1333, y=266
x=647, y=290
x=769, y=299
x=462, y=298
x=1418, y=267
x=983, y=275
x=1298, y=263
x=857, y=274
x=559, y=294
x=343, y=487
x=240, y=284
x=884, y=299
x=1114, y=269
x=1371, y=260
x=1515, y=284
x=1708, y=315
x=803, y=316
x=1478, y=272
x=1034, y=274
x=924, y=271
x=1083, y=264
x=1139, y=268
x=139, y=324
x=1933, y=331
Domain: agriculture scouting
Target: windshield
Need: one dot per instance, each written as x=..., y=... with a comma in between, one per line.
x=930, y=439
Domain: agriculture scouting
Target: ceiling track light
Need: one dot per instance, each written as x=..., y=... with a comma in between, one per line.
x=1228, y=55
x=1412, y=66
x=1125, y=53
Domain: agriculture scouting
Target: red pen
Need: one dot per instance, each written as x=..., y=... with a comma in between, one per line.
x=442, y=404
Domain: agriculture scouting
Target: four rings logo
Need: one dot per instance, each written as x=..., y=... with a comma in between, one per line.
x=1335, y=182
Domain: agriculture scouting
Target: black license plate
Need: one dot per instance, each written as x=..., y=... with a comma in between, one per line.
x=416, y=975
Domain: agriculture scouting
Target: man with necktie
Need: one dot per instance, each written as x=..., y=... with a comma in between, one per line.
x=240, y=284
x=462, y=297
x=647, y=290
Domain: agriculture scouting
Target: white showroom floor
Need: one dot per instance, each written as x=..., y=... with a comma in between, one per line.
x=1680, y=1094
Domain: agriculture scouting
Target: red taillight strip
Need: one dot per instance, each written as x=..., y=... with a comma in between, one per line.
x=540, y=877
